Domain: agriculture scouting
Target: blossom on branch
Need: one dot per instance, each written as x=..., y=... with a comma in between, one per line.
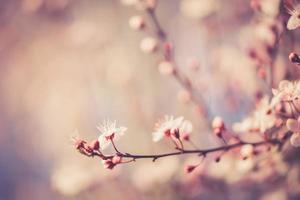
x=166, y=127
x=294, y=20
x=109, y=132
x=260, y=120
x=286, y=91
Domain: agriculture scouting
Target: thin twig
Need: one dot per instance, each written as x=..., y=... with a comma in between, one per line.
x=178, y=75
x=201, y=152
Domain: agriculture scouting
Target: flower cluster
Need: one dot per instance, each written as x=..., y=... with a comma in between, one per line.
x=274, y=119
x=176, y=128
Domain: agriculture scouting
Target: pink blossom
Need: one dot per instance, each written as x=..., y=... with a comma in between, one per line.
x=167, y=126
x=109, y=131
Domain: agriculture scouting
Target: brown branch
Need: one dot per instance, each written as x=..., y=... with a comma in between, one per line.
x=181, y=78
x=200, y=152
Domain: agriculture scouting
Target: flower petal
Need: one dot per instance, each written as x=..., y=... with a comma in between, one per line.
x=292, y=125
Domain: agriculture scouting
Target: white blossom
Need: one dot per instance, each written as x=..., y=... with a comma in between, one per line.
x=167, y=126
x=109, y=130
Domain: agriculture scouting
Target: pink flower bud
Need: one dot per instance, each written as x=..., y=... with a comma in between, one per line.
x=108, y=164
x=79, y=143
x=117, y=159
x=175, y=133
x=165, y=68
x=168, y=133
x=136, y=22
x=94, y=145
x=218, y=123
x=168, y=47
x=218, y=132
x=186, y=136
x=261, y=73
x=190, y=168
x=149, y=45
x=294, y=58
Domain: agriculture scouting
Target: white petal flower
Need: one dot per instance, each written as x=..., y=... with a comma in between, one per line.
x=287, y=91
x=108, y=129
x=294, y=20
x=168, y=125
x=295, y=139
x=185, y=130
x=186, y=127
x=261, y=119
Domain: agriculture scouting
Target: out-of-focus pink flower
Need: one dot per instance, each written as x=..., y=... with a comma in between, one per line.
x=109, y=131
x=287, y=91
x=295, y=139
x=137, y=22
x=165, y=68
x=247, y=150
x=217, y=122
x=166, y=127
x=185, y=130
x=149, y=45
x=294, y=126
x=260, y=120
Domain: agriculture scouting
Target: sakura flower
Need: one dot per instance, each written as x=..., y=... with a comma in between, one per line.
x=294, y=126
x=294, y=20
x=185, y=130
x=287, y=91
x=109, y=131
x=260, y=120
x=166, y=127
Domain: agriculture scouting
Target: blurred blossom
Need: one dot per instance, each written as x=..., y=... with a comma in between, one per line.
x=70, y=178
x=149, y=45
x=136, y=22
x=165, y=68
x=270, y=7
x=259, y=121
x=108, y=132
x=196, y=9
x=166, y=126
x=129, y=2
x=68, y=64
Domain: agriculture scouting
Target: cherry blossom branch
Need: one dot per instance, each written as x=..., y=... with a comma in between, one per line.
x=181, y=78
x=200, y=152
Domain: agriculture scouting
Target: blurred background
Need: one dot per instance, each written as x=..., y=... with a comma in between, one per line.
x=67, y=65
